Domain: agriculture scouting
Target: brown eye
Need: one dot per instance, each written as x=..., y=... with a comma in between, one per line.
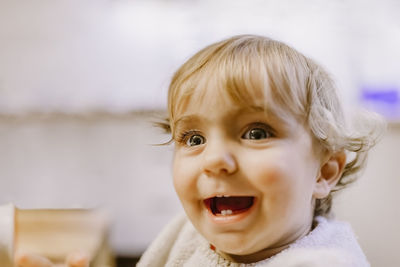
x=256, y=134
x=195, y=140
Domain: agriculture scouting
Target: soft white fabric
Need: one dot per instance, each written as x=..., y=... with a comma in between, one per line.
x=330, y=244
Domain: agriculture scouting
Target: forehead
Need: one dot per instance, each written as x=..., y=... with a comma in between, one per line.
x=214, y=96
x=243, y=75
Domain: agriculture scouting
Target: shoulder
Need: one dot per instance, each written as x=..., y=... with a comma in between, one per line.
x=179, y=244
x=158, y=251
x=331, y=243
x=316, y=257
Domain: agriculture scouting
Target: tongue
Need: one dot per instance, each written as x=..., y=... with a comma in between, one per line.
x=232, y=203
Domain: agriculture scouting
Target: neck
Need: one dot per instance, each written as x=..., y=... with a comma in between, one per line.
x=258, y=256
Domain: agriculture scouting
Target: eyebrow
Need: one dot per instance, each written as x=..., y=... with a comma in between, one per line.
x=254, y=109
x=192, y=118
x=186, y=120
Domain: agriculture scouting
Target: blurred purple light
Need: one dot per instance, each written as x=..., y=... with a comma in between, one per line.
x=382, y=99
x=389, y=95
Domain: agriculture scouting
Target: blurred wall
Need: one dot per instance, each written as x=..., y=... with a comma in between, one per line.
x=118, y=55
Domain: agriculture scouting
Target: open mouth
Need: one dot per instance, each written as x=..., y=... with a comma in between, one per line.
x=228, y=205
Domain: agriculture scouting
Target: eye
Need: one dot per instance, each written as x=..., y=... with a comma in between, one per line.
x=190, y=138
x=257, y=133
x=195, y=140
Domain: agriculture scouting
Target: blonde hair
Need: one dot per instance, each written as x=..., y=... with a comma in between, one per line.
x=255, y=70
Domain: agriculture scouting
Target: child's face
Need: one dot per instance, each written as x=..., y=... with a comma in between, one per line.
x=246, y=179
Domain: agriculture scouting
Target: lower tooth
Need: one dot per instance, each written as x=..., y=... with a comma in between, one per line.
x=226, y=212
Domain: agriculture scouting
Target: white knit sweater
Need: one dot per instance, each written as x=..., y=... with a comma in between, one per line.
x=330, y=244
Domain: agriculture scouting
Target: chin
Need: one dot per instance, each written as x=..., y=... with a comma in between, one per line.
x=234, y=251
x=233, y=247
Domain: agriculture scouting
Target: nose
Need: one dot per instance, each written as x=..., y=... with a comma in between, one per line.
x=219, y=159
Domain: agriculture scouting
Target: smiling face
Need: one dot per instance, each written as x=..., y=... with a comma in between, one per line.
x=252, y=150
x=245, y=177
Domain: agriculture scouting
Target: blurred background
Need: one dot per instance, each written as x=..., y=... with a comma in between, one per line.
x=81, y=82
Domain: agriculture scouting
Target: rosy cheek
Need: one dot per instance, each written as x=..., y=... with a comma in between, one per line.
x=272, y=172
x=275, y=182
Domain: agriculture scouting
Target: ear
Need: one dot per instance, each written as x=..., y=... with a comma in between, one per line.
x=329, y=174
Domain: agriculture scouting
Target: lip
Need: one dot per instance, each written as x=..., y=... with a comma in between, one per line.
x=233, y=218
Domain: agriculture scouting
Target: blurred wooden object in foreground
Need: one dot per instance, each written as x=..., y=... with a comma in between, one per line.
x=56, y=233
